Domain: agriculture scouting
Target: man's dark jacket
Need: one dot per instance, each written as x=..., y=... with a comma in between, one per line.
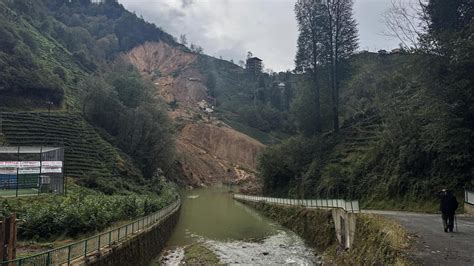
x=448, y=204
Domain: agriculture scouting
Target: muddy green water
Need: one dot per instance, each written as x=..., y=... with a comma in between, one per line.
x=211, y=213
x=234, y=232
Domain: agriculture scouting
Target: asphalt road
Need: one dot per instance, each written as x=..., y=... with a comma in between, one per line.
x=432, y=245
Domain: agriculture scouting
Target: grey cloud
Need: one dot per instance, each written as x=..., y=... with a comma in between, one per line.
x=230, y=28
x=186, y=3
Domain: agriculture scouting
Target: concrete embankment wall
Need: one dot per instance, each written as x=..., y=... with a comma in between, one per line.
x=316, y=227
x=377, y=240
x=468, y=208
x=142, y=248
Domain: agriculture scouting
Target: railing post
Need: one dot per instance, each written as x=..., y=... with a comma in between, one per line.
x=98, y=244
x=110, y=237
x=48, y=259
x=85, y=248
x=69, y=255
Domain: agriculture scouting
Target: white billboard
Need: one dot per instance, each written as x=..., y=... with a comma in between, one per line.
x=30, y=164
x=44, y=170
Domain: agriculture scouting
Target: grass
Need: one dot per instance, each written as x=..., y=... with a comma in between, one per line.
x=378, y=241
x=198, y=254
x=403, y=205
x=21, y=192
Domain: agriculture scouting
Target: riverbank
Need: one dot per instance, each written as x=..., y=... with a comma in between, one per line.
x=377, y=240
x=214, y=227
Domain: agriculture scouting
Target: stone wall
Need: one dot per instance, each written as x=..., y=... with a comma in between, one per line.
x=139, y=250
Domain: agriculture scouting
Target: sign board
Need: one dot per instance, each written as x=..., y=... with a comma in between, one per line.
x=27, y=164
x=44, y=170
x=7, y=171
x=51, y=170
x=9, y=164
x=52, y=163
x=30, y=164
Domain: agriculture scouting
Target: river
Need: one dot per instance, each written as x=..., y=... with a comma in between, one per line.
x=236, y=233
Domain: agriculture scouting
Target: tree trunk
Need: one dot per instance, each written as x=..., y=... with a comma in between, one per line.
x=335, y=95
x=316, y=87
x=318, y=104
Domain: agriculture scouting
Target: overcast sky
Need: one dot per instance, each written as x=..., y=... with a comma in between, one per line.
x=230, y=28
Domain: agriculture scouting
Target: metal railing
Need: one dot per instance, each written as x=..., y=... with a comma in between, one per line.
x=349, y=206
x=76, y=252
x=469, y=197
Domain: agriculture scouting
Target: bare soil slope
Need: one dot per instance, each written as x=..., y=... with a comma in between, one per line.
x=209, y=150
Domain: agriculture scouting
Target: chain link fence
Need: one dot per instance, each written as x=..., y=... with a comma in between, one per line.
x=75, y=252
x=349, y=206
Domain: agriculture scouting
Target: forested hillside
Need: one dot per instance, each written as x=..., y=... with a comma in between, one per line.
x=62, y=83
x=62, y=56
x=407, y=125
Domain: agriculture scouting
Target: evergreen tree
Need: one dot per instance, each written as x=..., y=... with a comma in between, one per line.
x=310, y=53
x=341, y=41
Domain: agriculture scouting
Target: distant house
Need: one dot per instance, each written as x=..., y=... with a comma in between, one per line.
x=254, y=65
x=396, y=51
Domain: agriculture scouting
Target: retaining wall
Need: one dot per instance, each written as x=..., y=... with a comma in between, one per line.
x=468, y=208
x=376, y=241
x=139, y=250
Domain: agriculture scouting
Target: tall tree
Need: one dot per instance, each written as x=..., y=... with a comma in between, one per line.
x=310, y=54
x=341, y=41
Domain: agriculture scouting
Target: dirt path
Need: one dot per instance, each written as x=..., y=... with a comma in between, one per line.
x=432, y=245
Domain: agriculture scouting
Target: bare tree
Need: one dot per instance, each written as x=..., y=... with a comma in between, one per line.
x=404, y=21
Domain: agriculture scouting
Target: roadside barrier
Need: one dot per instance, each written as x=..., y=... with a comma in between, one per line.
x=348, y=206
x=75, y=252
x=469, y=197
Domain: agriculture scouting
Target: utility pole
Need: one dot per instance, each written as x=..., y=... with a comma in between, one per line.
x=8, y=238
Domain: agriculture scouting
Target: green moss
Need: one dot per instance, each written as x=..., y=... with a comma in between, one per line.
x=197, y=254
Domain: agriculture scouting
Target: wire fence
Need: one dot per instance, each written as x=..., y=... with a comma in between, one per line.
x=469, y=197
x=349, y=206
x=75, y=252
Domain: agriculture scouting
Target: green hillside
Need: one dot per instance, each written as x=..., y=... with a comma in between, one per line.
x=398, y=145
x=62, y=56
x=88, y=157
x=254, y=105
x=62, y=84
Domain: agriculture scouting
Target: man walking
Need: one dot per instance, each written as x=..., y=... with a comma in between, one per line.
x=448, y=206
